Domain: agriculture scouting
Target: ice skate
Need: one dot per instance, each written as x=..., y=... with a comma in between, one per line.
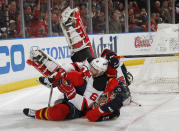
x=29, y=112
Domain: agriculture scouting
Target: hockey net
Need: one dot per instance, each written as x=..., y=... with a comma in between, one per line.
x=160, y=74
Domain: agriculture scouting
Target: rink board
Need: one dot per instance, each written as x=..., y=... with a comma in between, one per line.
x=14, y=53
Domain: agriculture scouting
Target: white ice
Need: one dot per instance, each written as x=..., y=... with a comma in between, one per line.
x=159, y=112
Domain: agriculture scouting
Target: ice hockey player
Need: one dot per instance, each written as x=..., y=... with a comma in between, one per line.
x=90, y=93
x=80, y=45
x=115, y=67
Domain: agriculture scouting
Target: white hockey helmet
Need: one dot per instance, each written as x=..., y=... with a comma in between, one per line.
x=99, y=64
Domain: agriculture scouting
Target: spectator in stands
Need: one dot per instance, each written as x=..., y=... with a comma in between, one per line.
x=12, y=29
x=44, y=20
x=14, y=20
x=30, y=3
x=18, y=26
x=95, y=3
x=121, y=7
x=134, y=21
x=28, y=16
x=83, y=14
x=102, y=5
x=165, y=12
x=93, y=11
x=158, y=19
x=95, y=19
x=153, y=23
x=114, y=23
x=156, y=7
x=121, y=15
x=138, y=19
x=99, y=25
x=37, y=27
x=133, y=5
x=43, y=5
x=55, y=10
x=3, y=24
x=56, y=29
x=13, y=10
x=110, y=7
x=130, y=5
x=144, y=17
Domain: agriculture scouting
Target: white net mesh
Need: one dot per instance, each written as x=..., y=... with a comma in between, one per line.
x=160, y=74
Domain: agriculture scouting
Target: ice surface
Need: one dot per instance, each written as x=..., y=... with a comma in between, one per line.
x=159, y=112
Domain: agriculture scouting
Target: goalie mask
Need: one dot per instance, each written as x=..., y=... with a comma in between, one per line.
x=99, y=64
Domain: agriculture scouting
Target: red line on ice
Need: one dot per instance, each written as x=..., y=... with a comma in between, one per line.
x=145, y=114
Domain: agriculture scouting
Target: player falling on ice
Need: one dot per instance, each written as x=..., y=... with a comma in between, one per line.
x=108, y=93
x=89, y=93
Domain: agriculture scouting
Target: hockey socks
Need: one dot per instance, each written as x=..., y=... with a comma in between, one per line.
x=55, y=113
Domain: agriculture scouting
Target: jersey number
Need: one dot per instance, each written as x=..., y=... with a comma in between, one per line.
x=94, y=96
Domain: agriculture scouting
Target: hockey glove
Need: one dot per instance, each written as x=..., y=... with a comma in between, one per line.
x=67, y=89
x=114, y=62
x=113, y=59
x=95, y=114
x=57, y=76
x=48, y=82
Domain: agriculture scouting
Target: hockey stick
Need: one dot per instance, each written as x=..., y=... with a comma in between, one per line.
x=150, y=55
x=49, y=85
x=50, y=96
x=136, y=103
x=51, y=91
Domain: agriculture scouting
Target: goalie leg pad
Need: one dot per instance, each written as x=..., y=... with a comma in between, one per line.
x=42, y=62
x=74, y=31
x=42, y=69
